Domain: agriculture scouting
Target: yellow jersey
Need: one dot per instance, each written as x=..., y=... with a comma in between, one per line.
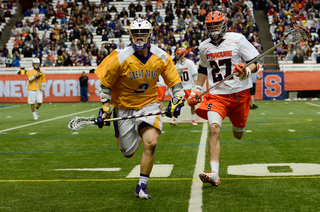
x=34, y=84
x=132, y=78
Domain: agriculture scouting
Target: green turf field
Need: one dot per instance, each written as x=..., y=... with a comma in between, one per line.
x=279, y=134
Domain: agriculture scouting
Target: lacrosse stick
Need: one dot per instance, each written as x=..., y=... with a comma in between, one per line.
x=81, y=122
x=296, y=35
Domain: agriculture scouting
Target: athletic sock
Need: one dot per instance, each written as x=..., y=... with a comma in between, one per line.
x=193, y=116
x=215, y=166
x=34, y=113
x=143, y=178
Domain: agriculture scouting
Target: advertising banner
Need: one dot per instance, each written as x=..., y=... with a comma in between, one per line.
x=59, y=88
x=273, y=86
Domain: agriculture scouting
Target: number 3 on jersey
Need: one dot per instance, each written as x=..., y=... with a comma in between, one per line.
x=216, y=75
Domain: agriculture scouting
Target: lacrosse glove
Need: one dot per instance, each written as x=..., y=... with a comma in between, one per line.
x=242, y=72
x=194, y=98
x=174, y=107
x=39, y=74
x=104, y=113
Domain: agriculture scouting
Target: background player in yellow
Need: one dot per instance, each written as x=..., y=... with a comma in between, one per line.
x=36, y=86
x=129, y=82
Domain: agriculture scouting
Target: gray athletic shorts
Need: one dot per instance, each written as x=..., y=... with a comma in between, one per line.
x=126, y=131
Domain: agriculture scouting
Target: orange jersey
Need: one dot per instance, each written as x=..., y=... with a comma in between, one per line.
x=133, y=78
x=34, y=84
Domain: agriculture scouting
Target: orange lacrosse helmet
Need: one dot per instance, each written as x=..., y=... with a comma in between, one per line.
x=182, y=51
x=216, y=24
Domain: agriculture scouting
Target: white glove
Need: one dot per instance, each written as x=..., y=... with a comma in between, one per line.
x=42, y=87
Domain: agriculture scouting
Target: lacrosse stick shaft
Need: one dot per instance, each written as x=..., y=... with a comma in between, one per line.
x=135, y=116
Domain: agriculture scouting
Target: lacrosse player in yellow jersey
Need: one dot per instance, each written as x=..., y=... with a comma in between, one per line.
x=129, y=82
x=36, y=86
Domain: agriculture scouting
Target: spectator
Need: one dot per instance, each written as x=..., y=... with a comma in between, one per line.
x=8, y=61
x=298, y=58
x=315, y=54
x=27, y=51
x=148, y=5
x=14, y=32
x=99, y=30
x=112, y=9
x=35, y=10
x=123, y=13
x=19, y=23
x=87, y=62
x=60, y=61
x=138, y=8
x=84, y=87
x=68, y=61
x=132, y=13
x=112, y=24
x=125, y=21
x=121, y=43
x=15, y=61
x=48, y=60
x=27, y=13
x=105, y=36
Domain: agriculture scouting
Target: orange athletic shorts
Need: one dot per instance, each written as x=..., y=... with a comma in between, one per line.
x=161, y=92
x=235, y=106
x=187, y=94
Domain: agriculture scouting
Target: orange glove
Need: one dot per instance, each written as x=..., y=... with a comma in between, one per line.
x=241, y=72
x=194, y=98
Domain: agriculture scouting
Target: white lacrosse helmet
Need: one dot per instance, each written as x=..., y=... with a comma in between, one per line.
x=140, y=34
x=36, y=62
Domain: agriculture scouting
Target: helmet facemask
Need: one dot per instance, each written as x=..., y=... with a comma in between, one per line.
x=217, y=29
x=216, y=24
x=140, y=38
x=140, y=34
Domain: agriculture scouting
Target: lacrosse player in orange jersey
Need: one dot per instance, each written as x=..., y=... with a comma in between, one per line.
x=129, y=82
x=188, y=73
x=161, y=91
x=36, y=86
x=220, y=55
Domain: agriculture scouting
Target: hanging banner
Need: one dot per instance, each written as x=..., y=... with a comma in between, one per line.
x=273, y=86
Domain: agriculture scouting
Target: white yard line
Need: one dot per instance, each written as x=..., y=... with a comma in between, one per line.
x=39, y=122
x=195, y=202
x=312, y=104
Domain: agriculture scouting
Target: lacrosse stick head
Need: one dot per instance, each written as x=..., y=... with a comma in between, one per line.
x=81, y=122
x=297, y=34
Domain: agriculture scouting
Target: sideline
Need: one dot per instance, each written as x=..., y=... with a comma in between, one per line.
x=39, y=122
x=195, y=201
x=312, y=104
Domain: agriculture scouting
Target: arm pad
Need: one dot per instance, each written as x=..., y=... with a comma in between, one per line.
x=31, y=78
x=177, y=90
x=105, y=94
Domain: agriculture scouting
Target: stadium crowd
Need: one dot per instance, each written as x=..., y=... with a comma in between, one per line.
x=69, y=28
x=283, y=15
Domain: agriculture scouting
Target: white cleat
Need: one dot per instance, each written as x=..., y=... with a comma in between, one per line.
x=35, y=117
x=194, y=123
x=210, y=177
x=174, y=122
